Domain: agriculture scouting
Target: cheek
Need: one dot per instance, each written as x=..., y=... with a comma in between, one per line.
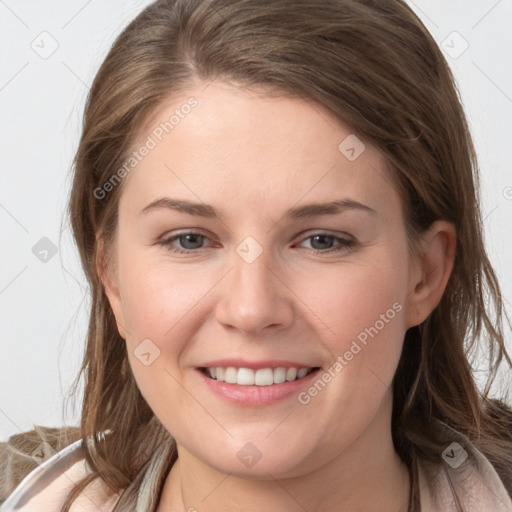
x=360, y=312
x=157, y=296
x=360, y=309
x=164, y=306
x=159, y=304
x=349, y=298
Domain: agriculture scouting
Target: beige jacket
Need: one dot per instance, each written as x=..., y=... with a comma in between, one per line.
x=479, y=488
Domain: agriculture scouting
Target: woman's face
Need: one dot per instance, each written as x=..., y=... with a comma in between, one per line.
x=258, y=269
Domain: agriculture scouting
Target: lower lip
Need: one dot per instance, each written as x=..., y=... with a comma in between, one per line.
x=256, y=395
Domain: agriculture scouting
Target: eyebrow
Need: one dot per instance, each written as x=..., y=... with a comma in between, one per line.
x=299, y=212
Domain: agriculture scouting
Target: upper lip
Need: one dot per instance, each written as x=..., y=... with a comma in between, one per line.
x=256, y=365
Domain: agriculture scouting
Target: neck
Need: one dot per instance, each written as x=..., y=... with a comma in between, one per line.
x=369, y=475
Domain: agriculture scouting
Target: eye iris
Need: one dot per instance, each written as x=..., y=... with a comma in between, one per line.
x=321, y=238
x=187, y=240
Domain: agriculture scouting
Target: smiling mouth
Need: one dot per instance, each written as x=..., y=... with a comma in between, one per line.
x=260, y=377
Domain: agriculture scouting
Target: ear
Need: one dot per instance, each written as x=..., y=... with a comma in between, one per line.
x=430, y=271
x=109, y=277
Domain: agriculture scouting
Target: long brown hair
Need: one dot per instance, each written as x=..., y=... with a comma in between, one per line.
x=375, y=66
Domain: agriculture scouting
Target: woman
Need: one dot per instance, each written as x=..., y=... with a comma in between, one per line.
x=261, y=368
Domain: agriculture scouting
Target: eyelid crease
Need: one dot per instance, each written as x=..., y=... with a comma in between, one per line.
x=345, y=244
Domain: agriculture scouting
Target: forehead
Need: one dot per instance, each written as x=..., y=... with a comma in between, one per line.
x=233, y=144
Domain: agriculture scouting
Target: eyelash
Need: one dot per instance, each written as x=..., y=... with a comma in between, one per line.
x=345, y=244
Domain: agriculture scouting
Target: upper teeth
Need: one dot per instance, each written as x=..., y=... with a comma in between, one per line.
x=261, y=377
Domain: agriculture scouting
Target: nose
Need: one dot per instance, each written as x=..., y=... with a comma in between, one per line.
x=254, y=298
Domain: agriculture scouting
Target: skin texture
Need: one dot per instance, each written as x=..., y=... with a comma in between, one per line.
x=252, y=157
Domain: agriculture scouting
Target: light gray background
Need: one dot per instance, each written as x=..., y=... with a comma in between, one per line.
x=44, y=305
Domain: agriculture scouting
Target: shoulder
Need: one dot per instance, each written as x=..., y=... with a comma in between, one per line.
x=464, y=474
x=46, y=487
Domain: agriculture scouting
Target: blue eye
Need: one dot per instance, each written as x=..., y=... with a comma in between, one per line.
x=192, y=242
x=190, y=239
x=325, y=238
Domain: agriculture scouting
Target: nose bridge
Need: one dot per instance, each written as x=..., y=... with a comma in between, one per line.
x=254, y=297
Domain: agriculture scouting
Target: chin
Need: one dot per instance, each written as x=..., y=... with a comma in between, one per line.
x=261, y=460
